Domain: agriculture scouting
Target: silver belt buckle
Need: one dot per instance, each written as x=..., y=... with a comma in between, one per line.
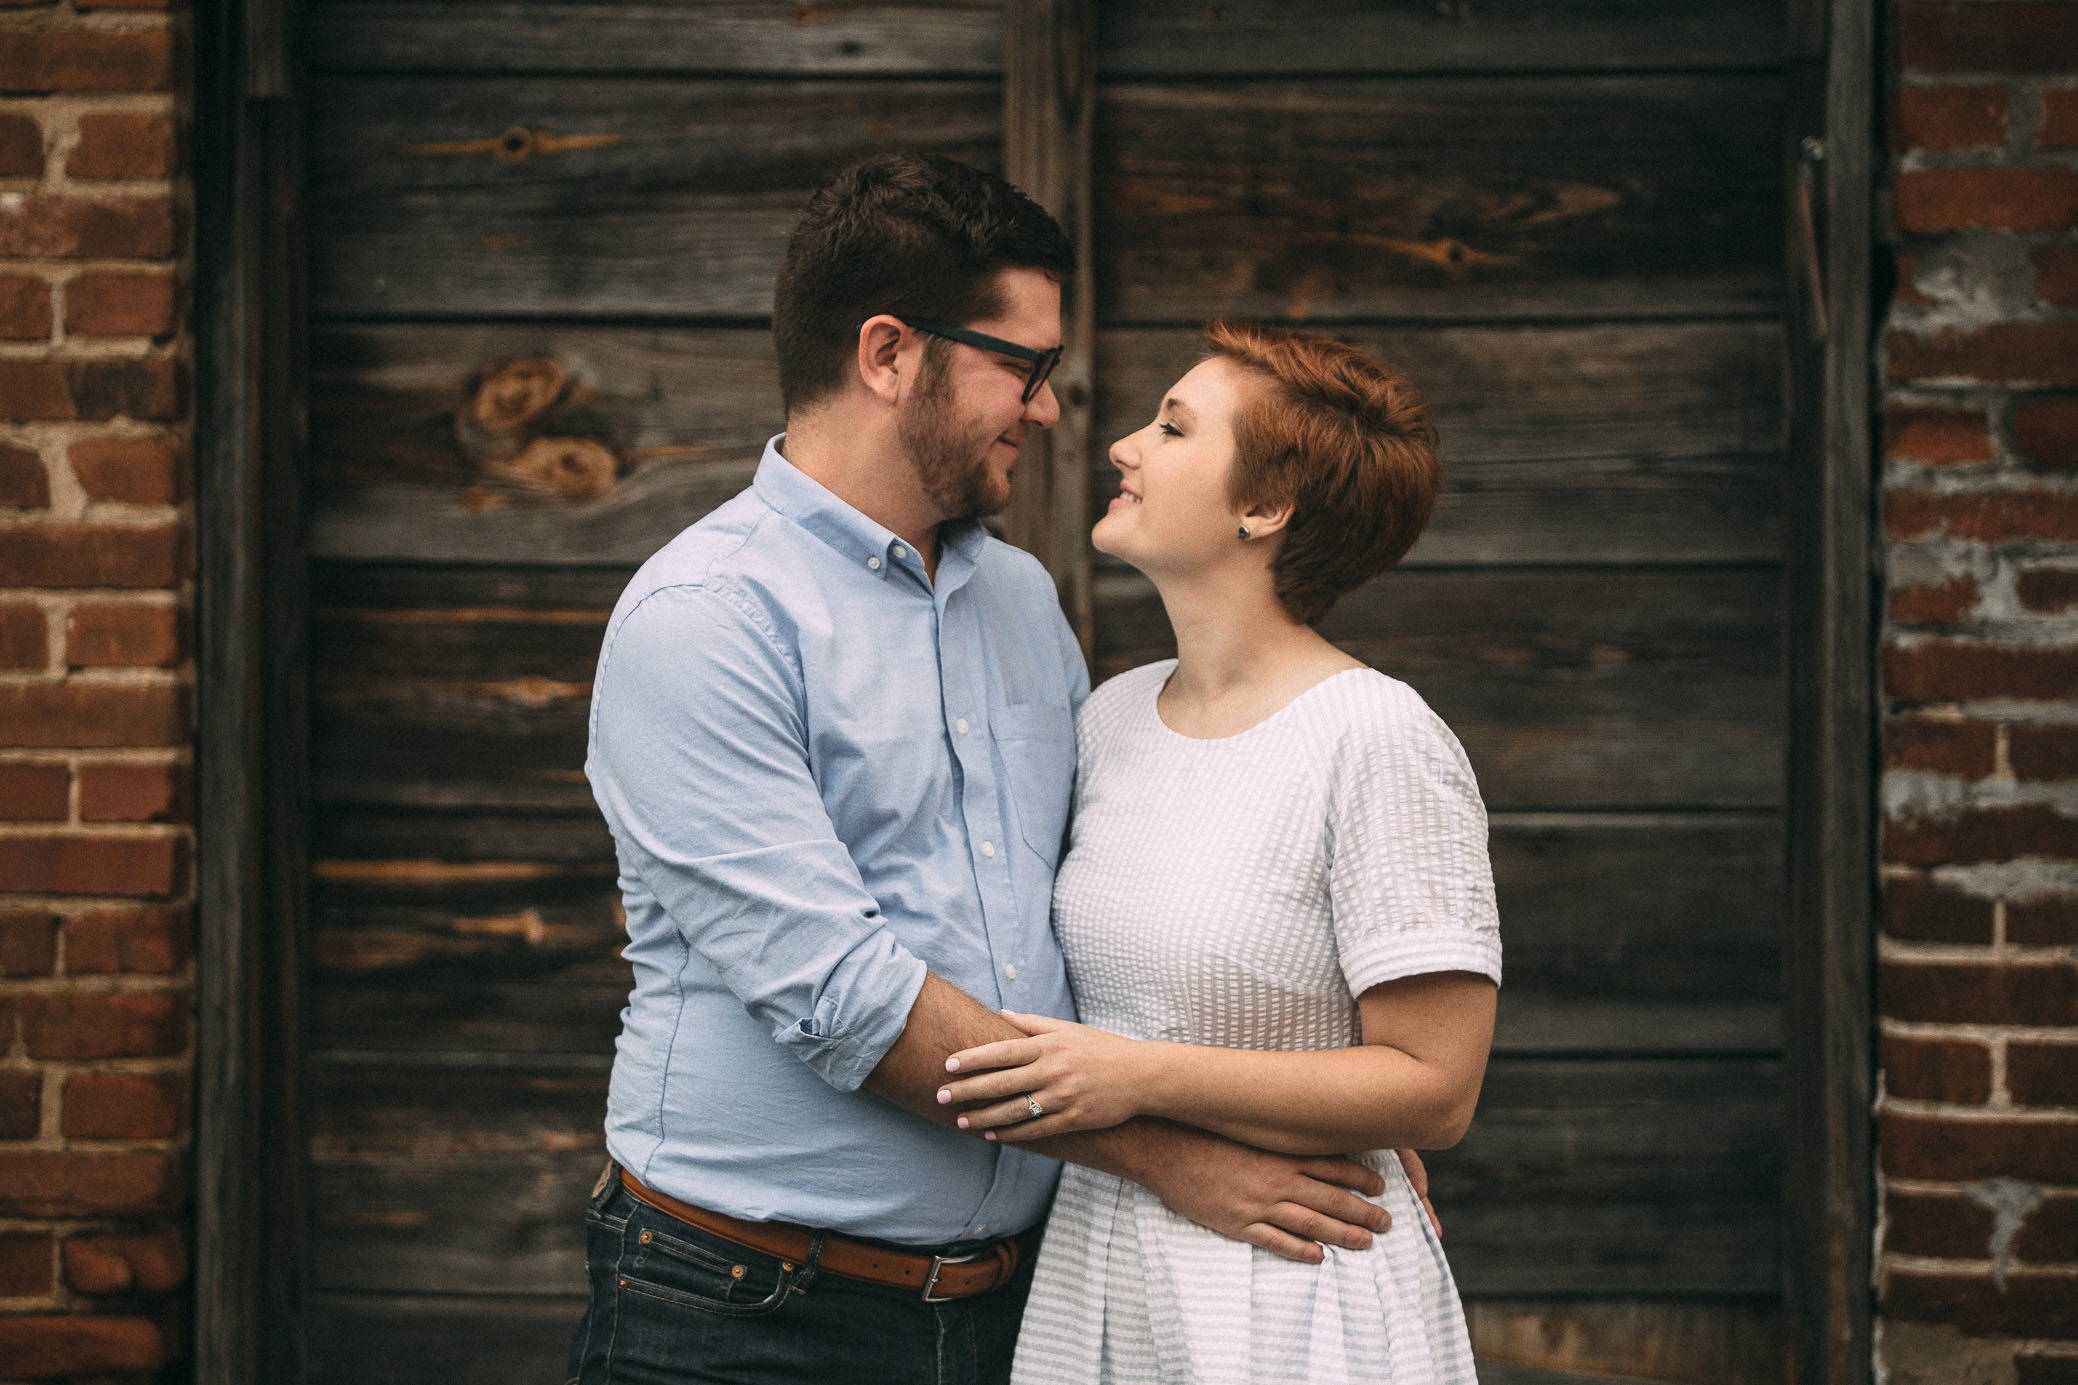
x=939, y=1262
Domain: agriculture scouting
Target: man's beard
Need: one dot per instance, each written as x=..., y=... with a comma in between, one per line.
x=951, y=464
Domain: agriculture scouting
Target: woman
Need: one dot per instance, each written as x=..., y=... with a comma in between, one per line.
x=1276, y=907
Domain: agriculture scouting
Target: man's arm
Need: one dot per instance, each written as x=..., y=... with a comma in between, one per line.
x=1288, y=1205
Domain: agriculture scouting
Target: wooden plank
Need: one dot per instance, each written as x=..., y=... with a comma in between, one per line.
x=1570, y=688
x=856, y=38
x=639, y=199
x=1049, y=106
x=463, y=1008
x=1725, y=1341
x=1147, y=38
x=1607, y=443
x=394, y=1339
x=1338, y=199
x=1828, y=998
x=1629, y=442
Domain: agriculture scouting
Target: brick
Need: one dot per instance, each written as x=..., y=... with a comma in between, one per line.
x=2030, y=1304
x=1975, y=993
x=120, y=305
x=1964, y=1150
x=21, y=1104
x=124, y=1106
x=1959, y=670
x=36, y=60
x=2043, y=752
x=131, y=471
x=1975, y=835
x=28, y=947
x=24, y=639
x=1961, y=748
x=1946, y=1226
x=120, y=1264
x=1949, y=117
x=1939, y=437
x=106, y=634
x=1980, y=37
x=2042, y=1073
x=2048, y=1235
x=52, y=1183
x=2031, y=198
x=1922, y=910
x=2042, y=922
x=2048, y=432
x=1930, y=605
x=93, y=715
x=122, y=146
x=92, y=391
x=92, y=555
x=2043, y=353
x=25, y=307
x=21, y=146
x=35, y=793
x=26, y=1259
x=68, y=864
x=2059, y=128
x=2047, y=588
x=1987, y=516
x=106, y=941
x=1955, y=1071
x=2045, y=1367
x=93, y=227
x=2056, y=275
x=134, y=793
x=35, y=1348
x=24, y=481
x=149, y=1024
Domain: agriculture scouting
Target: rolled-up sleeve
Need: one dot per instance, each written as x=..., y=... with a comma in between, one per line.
x=699, y=759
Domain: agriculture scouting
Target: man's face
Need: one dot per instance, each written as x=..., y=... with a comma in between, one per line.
x=965, y=422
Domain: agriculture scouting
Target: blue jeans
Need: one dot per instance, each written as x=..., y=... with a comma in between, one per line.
x=672, y=1304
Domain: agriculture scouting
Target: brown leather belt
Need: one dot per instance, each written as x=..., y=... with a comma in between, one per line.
x=936, y=1277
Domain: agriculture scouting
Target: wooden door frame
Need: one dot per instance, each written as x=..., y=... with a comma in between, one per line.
x=252, y=629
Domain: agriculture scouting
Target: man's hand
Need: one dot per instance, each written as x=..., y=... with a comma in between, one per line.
x=1287, y=1205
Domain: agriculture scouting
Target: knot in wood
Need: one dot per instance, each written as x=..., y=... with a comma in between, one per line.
x=516, y=145
x=574, y=468
x=516, y=394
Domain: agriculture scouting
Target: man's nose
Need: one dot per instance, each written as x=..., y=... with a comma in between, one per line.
x=1043, y=408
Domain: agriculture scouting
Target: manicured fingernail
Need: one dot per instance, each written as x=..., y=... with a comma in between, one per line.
x=988, y=1134
x=963, y=1122
x=952, y=1065
x=945, y=1096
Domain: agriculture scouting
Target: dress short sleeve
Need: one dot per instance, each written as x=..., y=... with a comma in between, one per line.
x=1409, y=883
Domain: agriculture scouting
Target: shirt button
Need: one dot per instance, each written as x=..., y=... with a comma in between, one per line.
x=962, y=724
x=901, y=552
x=874, y=562
x=981, y=1230
x=988, y=848
x=1011, y=971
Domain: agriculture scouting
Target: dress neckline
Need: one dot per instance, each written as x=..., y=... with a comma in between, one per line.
x=1154, y=711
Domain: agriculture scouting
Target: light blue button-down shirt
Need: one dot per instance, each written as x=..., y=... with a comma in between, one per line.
x=823, y=774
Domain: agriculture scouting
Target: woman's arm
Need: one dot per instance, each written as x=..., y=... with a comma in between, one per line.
x=1412, y=1082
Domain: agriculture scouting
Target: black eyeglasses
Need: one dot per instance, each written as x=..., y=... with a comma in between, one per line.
x=1043, y=362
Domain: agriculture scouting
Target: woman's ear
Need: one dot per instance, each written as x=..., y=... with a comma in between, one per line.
x=1261, y=521
x=880, y=356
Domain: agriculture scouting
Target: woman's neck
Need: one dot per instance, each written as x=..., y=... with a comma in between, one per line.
x=1240, y=657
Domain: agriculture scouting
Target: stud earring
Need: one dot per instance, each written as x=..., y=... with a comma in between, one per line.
x=1244, y=531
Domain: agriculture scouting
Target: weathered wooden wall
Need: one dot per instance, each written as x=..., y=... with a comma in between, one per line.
x=543, y=241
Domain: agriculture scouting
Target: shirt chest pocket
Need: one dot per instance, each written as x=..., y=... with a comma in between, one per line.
x=1037, y=743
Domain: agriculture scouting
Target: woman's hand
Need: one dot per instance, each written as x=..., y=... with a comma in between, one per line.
x=1082, y=1078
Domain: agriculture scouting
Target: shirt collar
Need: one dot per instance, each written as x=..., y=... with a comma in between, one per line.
x=873, y=547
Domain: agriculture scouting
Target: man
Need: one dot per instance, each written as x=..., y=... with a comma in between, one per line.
x=832, y=735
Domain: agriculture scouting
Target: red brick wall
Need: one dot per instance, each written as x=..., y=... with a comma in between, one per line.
x=1978, y=958
x=95, y=755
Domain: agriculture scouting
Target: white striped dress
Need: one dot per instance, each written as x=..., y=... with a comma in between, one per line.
x=1240, y=892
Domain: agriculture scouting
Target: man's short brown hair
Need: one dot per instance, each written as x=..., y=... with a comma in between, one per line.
x=909, y=234
x=1348, y=443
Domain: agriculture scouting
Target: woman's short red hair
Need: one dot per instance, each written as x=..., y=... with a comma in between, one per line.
x=1348, y=443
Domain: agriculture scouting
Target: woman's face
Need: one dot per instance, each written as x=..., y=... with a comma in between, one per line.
x=1172, y=512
